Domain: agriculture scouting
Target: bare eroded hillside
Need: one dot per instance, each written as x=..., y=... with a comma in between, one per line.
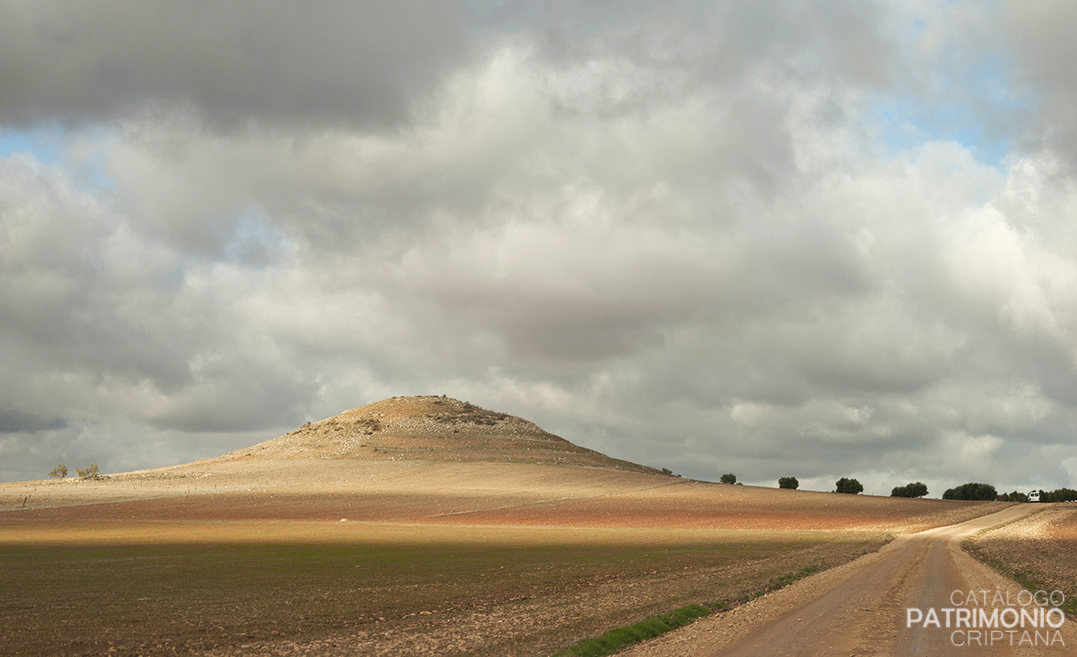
x=429, y=429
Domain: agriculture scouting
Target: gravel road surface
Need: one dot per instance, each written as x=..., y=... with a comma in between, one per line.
x=863, y=608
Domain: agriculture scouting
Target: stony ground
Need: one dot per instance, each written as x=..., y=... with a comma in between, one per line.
x=430, y=428
x=547, y=623
x=1040, y=551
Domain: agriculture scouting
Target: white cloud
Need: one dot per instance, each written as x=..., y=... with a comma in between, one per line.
x=680, y=242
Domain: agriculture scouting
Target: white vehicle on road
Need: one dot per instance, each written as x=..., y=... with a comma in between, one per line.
x=1034, y=496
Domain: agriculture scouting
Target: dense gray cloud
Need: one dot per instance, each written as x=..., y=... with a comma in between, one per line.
x=325, y=62
x=1047, y=51
x=712, y=237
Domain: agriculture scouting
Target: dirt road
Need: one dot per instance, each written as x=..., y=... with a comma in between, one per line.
x=880, y=605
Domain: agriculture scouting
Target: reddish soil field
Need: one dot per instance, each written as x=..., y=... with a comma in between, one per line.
x=646, y=502
x=473, y=493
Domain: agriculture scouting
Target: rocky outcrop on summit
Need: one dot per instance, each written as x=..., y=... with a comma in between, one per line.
x=429, y=429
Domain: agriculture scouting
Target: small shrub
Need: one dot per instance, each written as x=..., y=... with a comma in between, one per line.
x=911, y=490
x=846, y=485
x=728, y=478
x=788, y=482
x=667, y=471
x=88, y=473
x=59, y=472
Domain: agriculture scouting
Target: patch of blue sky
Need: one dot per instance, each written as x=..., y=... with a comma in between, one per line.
x=904, y=123
x=46, y=145
x=968, y=95
x=51, y=146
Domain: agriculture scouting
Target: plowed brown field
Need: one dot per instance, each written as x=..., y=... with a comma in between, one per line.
x=466, y=532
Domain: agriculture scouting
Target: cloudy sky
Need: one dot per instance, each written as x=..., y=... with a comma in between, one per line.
x=769, y=238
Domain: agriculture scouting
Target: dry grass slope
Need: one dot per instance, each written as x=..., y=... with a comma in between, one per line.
x=430, y=429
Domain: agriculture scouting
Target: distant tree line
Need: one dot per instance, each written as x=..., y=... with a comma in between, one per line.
x=970, y=491
x=974, y=491
x=1015, y=496
x=1059, y=495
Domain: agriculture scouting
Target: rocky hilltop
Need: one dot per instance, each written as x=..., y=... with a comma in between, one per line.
x=429, y=428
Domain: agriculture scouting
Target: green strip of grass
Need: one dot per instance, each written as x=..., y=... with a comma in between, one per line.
x=614, y=640
x=622, y=637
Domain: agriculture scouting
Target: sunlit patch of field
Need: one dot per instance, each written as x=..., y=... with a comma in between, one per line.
x=234, y=587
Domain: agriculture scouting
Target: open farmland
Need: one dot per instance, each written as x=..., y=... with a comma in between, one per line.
x=468, y=494
x=315, y=541
x=252, y=587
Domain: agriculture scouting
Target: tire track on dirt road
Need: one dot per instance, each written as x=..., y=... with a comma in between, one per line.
x=861, y=608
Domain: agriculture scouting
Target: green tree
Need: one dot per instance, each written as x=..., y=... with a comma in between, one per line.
x=971, y=491
x=846, y=485
x=59, y=472
x=911, y=490
x=788, y=482
x=728, y=478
